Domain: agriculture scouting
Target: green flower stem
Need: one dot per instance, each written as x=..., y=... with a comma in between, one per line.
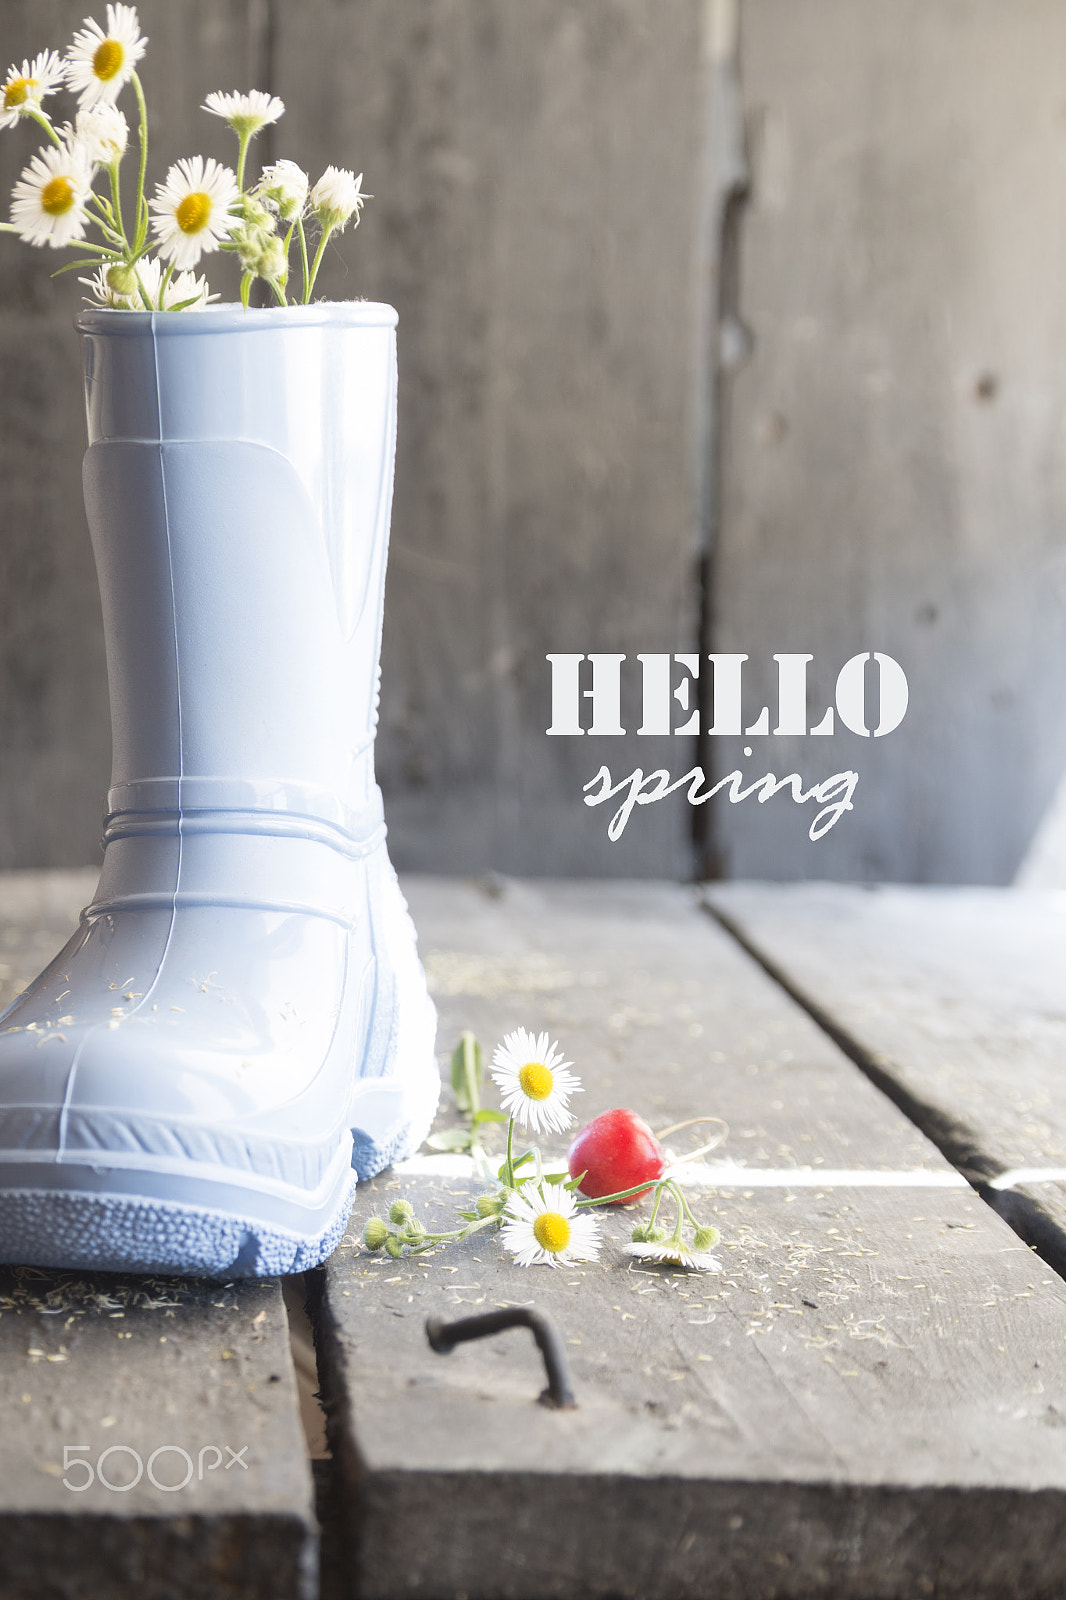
x=145, y=296
x=510, y=1124
x=288, y=246
x=316, y=263
x=116, y=200
x=141, y=209
x=43, y=122
x=120, y=246
x=246, y=288
x=279, y=295
x=429, y=1241
x=242, y=157
x=625, y=1194
x=303, y=255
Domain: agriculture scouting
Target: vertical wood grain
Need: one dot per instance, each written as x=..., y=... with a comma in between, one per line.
x=895, y=457
x=534, y=169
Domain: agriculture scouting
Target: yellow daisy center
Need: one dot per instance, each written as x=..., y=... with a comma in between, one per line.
x=17, y=92
x=536, y=1080
x=57, y=196
x=193, y=212
x=552, y=1231
x=108, y=59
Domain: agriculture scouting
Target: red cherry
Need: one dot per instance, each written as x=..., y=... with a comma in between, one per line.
x=616, y=1151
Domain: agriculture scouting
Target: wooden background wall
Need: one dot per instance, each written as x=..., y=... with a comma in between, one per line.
x=544, y=172
x=895, y=448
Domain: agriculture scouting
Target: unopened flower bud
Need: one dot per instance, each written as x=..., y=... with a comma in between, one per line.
x=375, y=1233
x=122, y=279
x=646, y=1233
x=394, y=1246
x=273, y=262
x=401, y=1211
x=490, y=1205
x=705, y=1238
x=255, y=214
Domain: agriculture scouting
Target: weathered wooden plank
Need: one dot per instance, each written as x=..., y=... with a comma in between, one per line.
x=892, y=451
x=151, y=1440
x=536, y=171
x=142, y=1378
x=873, y=1382
x=38, y=914
x=954, y=999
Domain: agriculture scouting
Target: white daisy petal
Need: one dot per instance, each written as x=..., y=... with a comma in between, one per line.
x=338, y=196
x=191, y=209
x=283, y=188
x=108, y=285
x=534, y=1081
x=48, y=202
x=185, y=287
x=25, y=87
x=245, y=113
x=101, y=61
x=547, y=1228
x=102, y=132
x=674, y=1254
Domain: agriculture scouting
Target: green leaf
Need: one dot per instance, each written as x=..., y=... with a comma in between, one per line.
x=73, y=266
x=490, y=1116
x=459, y=1084
x=467, y=1070
x=450, y=1139
x=565, y=1179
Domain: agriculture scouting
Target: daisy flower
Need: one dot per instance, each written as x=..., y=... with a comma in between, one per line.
x=99, y=63
x=191, y=209
x=534, y=1084
x=283, y=188
x=48, y=202
x=675, y=1254
x=184, y=287
x=337, y=196
x=245, y=113
x=116, y=286
x=23, y=90
x=549, y=1228
x=102, y=132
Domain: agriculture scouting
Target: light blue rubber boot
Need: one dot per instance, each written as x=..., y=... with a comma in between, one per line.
x=240, y=1025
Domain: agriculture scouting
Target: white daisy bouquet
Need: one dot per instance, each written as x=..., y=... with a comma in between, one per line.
x=544, y=1216
x=146, y=251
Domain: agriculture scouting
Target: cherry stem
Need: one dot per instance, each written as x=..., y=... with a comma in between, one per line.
x=712, y=1144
